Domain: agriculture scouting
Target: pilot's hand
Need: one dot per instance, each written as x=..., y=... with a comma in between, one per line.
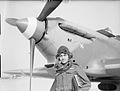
x=49, y=65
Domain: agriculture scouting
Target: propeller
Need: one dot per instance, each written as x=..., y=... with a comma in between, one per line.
x=50, y=6
x=32, y=49
x=11, y=21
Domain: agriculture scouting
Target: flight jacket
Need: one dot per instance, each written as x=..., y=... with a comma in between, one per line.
x=70, y=77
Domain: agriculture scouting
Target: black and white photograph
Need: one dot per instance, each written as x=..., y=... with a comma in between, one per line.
x=59, y=45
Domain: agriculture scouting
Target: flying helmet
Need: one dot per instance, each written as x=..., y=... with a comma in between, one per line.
x=65, y=50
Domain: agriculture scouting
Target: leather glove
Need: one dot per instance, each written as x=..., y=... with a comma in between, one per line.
x=49, y=65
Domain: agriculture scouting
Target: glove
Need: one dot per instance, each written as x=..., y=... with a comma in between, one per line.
x=49, y=65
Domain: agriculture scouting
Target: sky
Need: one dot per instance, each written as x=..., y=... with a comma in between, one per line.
x=14, y=47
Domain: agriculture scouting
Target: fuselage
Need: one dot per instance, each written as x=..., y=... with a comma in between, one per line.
x=92, y=55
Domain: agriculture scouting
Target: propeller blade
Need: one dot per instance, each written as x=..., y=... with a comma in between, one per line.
x=48, y=8
x=32, y=48
x=11, y=21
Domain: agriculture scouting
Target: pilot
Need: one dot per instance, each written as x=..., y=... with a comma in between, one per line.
x=69, y=75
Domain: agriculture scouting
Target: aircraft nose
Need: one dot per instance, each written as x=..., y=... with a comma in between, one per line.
x=30, y=27
x=22, y=24
x=27, y=26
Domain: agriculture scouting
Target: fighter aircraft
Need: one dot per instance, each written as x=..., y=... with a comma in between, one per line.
x=102, y=48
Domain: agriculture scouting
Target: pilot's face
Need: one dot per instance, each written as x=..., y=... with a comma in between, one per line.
x=63, y=58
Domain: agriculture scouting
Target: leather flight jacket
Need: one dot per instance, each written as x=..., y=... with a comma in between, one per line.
x=70, y=77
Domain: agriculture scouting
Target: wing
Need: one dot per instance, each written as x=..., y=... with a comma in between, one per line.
x=107, y=67
x=112, y=66
x=37, y=72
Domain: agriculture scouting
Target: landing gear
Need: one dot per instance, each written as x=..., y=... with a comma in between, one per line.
x=109, y=86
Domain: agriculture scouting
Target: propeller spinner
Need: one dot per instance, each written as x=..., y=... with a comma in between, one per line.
x=31, y=26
